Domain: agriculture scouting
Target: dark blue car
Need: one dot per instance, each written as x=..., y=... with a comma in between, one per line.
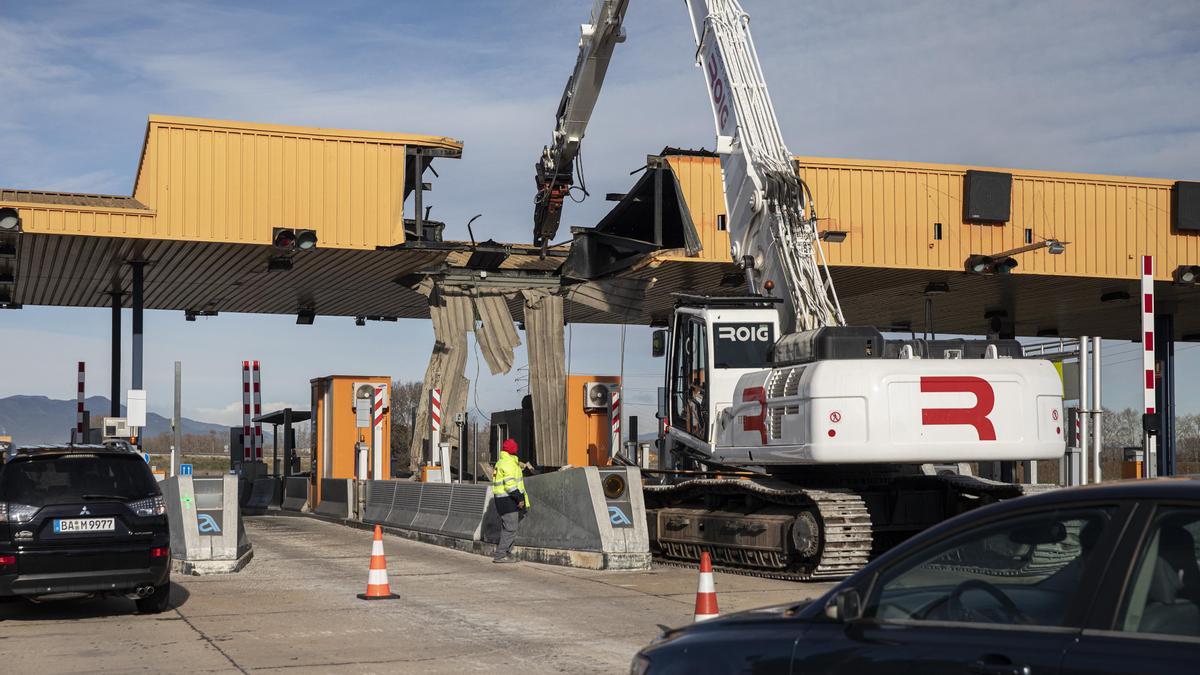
x=1097, y=579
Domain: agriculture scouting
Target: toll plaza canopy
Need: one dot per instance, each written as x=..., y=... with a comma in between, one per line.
x=214, y=199
x=899, y=238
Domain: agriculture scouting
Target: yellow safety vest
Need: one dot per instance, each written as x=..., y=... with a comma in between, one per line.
x=508, y=477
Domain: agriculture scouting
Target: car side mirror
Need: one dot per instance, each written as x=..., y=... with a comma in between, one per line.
x=658, y=343
x=845, y=606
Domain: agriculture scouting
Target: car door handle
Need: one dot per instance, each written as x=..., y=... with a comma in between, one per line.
x=998, y=665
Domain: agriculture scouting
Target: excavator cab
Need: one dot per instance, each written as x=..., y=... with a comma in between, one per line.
x=711, y=343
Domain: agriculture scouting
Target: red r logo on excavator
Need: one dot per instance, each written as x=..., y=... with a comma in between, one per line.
x=756, y=422
x=977, y=416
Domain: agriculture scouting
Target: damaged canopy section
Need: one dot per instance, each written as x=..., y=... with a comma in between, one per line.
x=652, y=216
x=460, y=303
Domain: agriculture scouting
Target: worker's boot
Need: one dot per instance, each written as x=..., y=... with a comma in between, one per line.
x=510, y=558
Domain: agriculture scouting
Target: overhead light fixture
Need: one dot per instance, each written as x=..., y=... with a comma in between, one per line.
x=279, y=263
x=191, y=314
x=10, y=220
x=833, y=236
x=362, y=320
x=1056, y=247
x=733, y=280
x=409, y=280
x=1114, y=296
x=1187, y=275
x=306, y=240
x=986, y=264
x=937, y=288
x=305, y=317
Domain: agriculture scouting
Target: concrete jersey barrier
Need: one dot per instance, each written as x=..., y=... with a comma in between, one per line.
x=207, y=536
x=295, y=493
x=456, y=510
x=570, y=514
x=336, y=497
x=261, y=490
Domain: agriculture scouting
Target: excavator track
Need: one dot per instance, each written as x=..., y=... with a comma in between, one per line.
x=841, y=516
x=840, y=541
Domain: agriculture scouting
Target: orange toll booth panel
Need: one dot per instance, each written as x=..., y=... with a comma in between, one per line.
x=345, y=415
x=589, y=425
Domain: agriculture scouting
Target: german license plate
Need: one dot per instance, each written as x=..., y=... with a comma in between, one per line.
x=64, y=525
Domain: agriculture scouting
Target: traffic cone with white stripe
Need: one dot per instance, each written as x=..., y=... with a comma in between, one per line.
x=706, y=593
x=377, y=578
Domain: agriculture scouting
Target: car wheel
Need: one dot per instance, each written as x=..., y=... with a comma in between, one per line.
x=157, y=603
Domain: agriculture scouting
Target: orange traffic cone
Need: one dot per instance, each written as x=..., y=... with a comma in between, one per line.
x=377, y=579
x=706, y=593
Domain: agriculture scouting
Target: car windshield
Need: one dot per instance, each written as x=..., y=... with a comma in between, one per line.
x=58, y=479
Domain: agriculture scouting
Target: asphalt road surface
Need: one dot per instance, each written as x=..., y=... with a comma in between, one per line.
x=294, y=609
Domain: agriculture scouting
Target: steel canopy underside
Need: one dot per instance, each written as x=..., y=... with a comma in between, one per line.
x=81, y=271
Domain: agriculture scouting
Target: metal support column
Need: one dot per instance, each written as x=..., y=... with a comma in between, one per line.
x=1084, y=410
x=418, y=193
x=177, y=420
x=1164, y=359
x=1097, y=412
x=658, y=206
x=114, y=408
x=136, y=382
x=464, y=448
x=288, y=445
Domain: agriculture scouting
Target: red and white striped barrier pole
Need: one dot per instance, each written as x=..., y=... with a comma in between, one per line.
x=706, y=592
x=246, y=451
x=377, y=410
x=80, y=435
x=258, y=439
x=615, y=417
x=1150, y=443
x=435, y=426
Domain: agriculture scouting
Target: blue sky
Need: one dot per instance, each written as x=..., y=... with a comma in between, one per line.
x=1106, y=87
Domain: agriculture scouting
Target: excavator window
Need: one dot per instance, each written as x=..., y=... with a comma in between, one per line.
x=690, y=379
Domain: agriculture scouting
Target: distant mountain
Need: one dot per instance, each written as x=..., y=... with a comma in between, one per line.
x=38, y=419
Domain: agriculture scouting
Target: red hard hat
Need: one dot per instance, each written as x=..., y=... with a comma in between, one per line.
x=509, y=446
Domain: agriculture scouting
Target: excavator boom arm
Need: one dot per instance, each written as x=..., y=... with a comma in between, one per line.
x=555, y=175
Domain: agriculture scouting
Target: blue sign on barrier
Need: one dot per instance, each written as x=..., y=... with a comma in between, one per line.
x=617, y=517
x=185, y=469
x=207, y=524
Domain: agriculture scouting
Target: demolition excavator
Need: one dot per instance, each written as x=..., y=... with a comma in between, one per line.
x=808, y=444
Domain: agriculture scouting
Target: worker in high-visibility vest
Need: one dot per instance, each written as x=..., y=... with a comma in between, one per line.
x=508, y=492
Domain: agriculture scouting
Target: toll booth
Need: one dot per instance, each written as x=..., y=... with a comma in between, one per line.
x=351, y=424
x=589, y=423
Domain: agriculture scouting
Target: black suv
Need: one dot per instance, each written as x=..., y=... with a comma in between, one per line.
x=82, y=519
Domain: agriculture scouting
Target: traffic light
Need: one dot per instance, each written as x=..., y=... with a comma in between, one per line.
x=10, y=220
x=984, y=264
x=288, y=239
x=1187, y=274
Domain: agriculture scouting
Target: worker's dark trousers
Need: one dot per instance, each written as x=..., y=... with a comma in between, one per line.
x=508, y=532
x=510, y=517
